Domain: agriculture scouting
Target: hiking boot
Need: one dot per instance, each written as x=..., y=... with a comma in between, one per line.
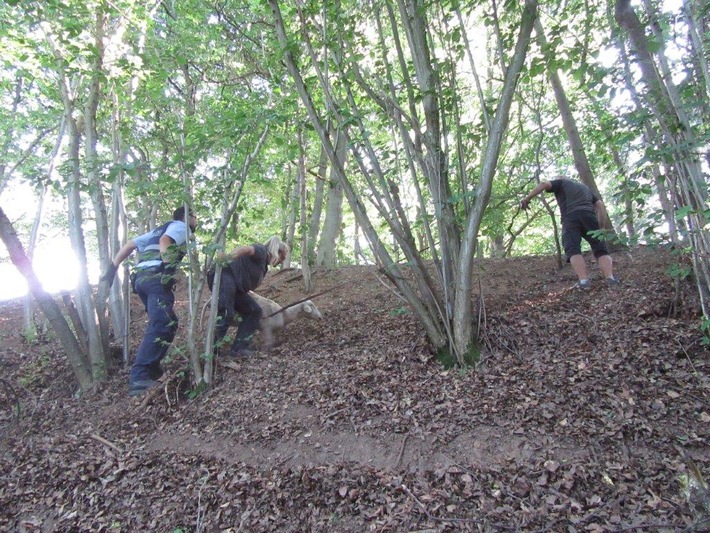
x=612, y=283
x=579, y=286
x=141, y=386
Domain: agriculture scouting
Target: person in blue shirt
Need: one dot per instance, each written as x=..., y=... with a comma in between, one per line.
x=580, y=210
x=159, y=254
x=244, y=271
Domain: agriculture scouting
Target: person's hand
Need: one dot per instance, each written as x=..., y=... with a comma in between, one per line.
x=110, y=274
x=524, y=204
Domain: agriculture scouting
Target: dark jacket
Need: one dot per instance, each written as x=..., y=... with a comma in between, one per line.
x=248, y=271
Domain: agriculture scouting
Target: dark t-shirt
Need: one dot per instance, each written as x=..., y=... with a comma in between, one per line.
x=573, y=196
x=249, y=270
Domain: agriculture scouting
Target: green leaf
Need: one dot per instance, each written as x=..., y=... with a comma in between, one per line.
x=683, y=212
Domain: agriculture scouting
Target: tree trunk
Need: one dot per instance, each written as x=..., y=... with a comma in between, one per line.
x=430, y=324
x=462, y=325
x=333, y=211
x=294, y=192
x=97, y=334
x=50, y=309
x=28, y=327
x=9, y=133
x=317, y=206
x=581, y=162
x=435, y=162
x=204, y=374
x=652, y=138
x=679, y=136
x=303, y=218
x=701, y=45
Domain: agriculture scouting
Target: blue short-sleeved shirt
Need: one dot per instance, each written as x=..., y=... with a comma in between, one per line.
x=176, y=230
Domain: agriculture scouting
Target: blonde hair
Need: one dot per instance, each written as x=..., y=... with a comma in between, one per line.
x=275, y=245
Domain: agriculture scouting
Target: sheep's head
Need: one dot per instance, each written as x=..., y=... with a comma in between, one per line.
x=310, y=310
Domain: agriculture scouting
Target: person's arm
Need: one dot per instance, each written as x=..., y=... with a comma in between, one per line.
x=165, y=245
x=126, y=250
x=542, y=186
x=239, y=251
x=600, y=210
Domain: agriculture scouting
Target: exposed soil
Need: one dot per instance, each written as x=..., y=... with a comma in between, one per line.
x=584, y=415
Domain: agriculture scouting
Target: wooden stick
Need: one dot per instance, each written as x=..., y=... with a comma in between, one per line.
x=105, y=442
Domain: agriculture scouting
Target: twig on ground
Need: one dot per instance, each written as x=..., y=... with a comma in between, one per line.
x=401, y=450
x=199, y=524
x=335, y=413
x=105, y=442
x=436, y=518
x=586, y=317
x=687, y=356
x=495, y=335
x=149, y=395
x=245, y=515
x=647, y=527
x=284, y=461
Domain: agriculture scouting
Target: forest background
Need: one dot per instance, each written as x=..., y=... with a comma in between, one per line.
x=397, y=133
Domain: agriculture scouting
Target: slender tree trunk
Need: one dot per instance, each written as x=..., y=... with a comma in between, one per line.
x=333, y=210
x=314, y=226
x=28, y=308
x=474, y=72
x=666, y=203
x=204, y=374
x=100, y=335
x=29, y=327
x=9, y=134
x=431, y=325
x=581, y=162
x=701, y=44
x=294, y=195
x=303, y=218
x=435, y=162
x=50, y=309
x=680, y=137
x=463, y=332
x=652, y=138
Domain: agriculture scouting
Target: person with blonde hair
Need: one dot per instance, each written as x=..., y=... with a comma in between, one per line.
x=244, y=271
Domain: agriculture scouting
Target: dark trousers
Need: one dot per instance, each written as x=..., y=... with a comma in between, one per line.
x=158, y=299
x=231, y=303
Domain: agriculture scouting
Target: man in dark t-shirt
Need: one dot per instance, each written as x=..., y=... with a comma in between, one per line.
x=244, y=272
x=580, y=210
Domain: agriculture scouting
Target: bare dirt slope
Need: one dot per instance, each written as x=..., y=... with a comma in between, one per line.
x=581, y=417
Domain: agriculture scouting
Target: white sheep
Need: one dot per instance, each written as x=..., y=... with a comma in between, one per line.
x=270, y=326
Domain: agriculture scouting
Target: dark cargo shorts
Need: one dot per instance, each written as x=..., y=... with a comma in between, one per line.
x=576, y=227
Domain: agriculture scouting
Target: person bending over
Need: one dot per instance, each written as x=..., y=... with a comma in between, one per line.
x=581, y=212
x=244, y=272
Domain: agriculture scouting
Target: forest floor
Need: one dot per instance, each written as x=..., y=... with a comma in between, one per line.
x=586, y=414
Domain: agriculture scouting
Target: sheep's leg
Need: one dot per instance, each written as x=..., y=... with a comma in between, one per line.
x=267, y=338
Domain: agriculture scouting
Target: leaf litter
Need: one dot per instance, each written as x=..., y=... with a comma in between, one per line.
x=581, y=417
